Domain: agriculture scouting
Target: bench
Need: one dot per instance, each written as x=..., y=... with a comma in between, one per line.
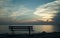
x=21, y=28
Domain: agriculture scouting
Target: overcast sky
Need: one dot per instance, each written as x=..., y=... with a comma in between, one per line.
x=22, y=11
x=31, y=12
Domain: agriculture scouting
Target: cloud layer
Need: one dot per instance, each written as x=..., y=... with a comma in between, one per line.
x=10, y=12
x=48, y=11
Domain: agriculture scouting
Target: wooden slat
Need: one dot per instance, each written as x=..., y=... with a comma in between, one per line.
x=23, y=30
x=20, y=28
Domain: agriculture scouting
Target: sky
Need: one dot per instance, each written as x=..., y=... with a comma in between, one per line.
x=29, y=11
x=44, y=13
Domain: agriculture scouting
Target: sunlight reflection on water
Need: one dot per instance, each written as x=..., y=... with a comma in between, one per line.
x=41, y=28
x=36, y=28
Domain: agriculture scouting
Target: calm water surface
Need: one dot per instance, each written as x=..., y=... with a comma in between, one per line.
x=36, y=28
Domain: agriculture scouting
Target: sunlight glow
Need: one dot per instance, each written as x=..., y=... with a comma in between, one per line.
x=45, y=15
x=46, y=20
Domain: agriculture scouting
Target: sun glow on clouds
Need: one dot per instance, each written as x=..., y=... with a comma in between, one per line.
x=45, y=15
x=47, y=11
x=20, y=13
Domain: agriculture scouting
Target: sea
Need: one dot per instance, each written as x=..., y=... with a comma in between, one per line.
x=36, y=29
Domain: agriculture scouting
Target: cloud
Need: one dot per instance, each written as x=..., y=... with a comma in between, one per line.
x=49, y=10
x=4, y=5
x=58, y=0
x=11, y=12
x=4, y=2
x=8, y=10
x=22, y=10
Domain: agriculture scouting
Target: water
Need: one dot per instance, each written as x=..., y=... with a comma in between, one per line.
x=36, y=28
x=47, y=28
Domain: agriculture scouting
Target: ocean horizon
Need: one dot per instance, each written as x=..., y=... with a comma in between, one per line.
x=36, y=29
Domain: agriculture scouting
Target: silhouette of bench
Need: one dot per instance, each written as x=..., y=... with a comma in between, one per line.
x=21, y=28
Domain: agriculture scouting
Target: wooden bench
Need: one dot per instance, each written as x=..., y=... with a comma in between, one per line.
x=21, y=28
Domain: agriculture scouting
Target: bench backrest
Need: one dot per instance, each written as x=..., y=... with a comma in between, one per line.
x=21, y=28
